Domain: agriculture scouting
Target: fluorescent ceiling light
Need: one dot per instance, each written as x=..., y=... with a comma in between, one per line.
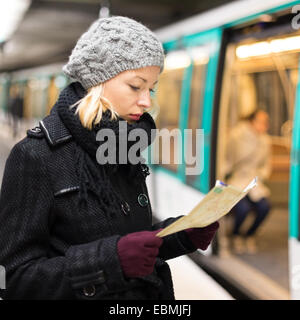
x=267, y=47
x=199, y=55
x=183, y=58
x=256, y=49
x=11, y=13
x=177, y=60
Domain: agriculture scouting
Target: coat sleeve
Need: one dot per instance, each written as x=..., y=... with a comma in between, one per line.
x=26, y=200
x=174, y=245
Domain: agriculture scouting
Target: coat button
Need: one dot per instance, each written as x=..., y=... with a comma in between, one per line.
x=143, y=200
x=125, y=208
x=145, y=170
x=36, y=130
x=89, y=291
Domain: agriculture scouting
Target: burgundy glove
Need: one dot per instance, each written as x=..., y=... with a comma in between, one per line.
x=202, y=237
x=137, y=252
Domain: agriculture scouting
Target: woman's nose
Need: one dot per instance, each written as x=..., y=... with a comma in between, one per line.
x=145, y=100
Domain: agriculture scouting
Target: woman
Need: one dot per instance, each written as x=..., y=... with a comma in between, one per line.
x=72, y=228
x=249, y=155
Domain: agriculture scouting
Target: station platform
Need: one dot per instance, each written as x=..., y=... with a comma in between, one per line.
x=192, y=283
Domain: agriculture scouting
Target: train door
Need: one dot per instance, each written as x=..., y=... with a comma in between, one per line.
x=185, y=96
x=263, y=74
x=294, y=204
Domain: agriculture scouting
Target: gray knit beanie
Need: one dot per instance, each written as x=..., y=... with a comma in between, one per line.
x=111, y=46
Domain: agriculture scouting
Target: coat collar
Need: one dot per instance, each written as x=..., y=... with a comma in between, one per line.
x=54, y=130
x=52, y=126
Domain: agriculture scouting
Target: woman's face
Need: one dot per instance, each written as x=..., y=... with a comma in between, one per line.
x=261, y=122
x=129, y=92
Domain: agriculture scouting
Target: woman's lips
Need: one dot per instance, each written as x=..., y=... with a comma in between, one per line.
x=135, y=117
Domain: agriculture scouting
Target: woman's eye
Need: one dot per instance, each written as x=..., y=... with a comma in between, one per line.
x=134, y=88
x=152, y=90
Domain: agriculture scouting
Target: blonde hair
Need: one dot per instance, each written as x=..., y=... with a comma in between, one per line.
x=91, y=107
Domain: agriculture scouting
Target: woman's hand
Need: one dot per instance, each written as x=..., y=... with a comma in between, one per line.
x=202, y=237
x=137, y=253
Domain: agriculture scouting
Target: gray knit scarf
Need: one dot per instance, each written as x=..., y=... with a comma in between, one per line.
x=92, y=175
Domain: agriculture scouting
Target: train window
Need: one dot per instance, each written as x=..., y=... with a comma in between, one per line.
x=168, y=98
x=256, y=90
x=57, y=83
x=195, y=111
x=53, y=92
x=37, y=97
x=2, y=94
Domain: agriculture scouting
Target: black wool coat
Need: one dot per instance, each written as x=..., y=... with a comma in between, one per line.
x=52, y=250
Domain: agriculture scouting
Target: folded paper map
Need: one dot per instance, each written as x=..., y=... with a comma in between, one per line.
x=216, y=204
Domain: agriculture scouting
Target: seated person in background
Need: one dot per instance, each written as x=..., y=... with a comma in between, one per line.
x=247, y=156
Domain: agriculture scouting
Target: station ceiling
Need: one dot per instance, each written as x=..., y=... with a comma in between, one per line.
x=50, y=28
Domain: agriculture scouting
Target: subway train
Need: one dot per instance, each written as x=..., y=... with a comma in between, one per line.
x=220, y=66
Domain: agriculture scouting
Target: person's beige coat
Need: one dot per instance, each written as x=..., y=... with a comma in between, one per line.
x=248, y=155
